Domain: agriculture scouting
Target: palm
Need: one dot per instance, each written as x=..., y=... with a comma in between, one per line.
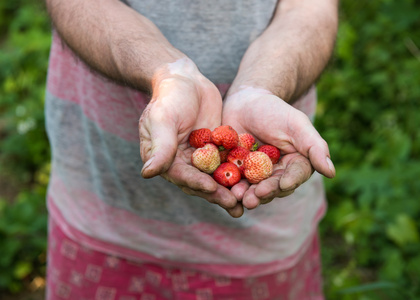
x=273, y=121
x=179, y=106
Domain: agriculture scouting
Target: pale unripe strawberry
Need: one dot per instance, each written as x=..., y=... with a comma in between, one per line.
x=206, y=159
x=258, y=166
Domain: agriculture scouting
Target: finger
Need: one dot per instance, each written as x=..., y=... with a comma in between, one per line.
x=322, y=162
x=298, y=170
x=222, y=196
x=237, y=211
x=158, y=143
x=182, y=174
x=308, y=141
x=280, y=195
x=269, y=188
x=240, y=188
x=250, y=201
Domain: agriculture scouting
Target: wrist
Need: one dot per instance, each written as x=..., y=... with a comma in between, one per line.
x=183, y=68
x=244, y=91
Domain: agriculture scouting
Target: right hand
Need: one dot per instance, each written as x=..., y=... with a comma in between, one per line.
x=183, y=100
x=273, y=121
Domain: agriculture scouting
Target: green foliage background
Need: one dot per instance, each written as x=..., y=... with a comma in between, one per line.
x=368, y=112
x=24, y=153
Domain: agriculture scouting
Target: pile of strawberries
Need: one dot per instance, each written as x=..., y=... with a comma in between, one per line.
x=230, y=157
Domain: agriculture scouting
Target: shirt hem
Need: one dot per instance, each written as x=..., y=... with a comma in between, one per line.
x=232, y=270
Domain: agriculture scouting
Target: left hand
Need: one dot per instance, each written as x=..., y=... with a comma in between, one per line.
x=182, y=101
x=273, y=121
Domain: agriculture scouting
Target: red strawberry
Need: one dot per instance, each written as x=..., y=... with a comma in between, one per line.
x=272, y=152
x=206, y=159
x=223, y=154
x=258, y=166
x=227, y=174
x=246, y=140
x=237, y=156
x=199, y=137
x=225, y=136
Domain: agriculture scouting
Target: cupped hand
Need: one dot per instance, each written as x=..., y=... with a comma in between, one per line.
x=273, y=121
x=182, y=100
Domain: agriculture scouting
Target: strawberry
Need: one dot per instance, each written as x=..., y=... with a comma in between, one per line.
x=227, y=174
x=272, y=152
x=225, y=136
x=258, y=166
x=199, y=137
x=247, y=141
x=223, y=154
x=206, y=159
x=237, y=156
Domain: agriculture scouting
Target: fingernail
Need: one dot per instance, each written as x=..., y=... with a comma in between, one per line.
x=330, y=166
x=147, y=164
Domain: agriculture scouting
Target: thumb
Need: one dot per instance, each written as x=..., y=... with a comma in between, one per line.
x=158, y=146
x=310, y=143
x=321, y=161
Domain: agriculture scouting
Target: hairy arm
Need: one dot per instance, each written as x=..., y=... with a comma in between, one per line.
x=294, y=49
x=114, y=40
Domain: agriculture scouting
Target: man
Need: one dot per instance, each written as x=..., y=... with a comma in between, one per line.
x=185, y=55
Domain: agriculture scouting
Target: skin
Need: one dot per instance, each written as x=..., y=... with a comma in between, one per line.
x=126, y=47
x=278, y=68
x=165, y=126
x=271, y=77
x=290, y=130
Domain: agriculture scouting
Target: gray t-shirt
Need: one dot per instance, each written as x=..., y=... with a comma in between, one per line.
x=214, y=34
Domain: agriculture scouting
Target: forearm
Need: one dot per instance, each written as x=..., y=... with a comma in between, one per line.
x=114, y=40
x=292, y=52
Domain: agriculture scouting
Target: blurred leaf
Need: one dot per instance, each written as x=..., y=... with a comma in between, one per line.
x=369, y=287
x=22, y=269
x=369, y=116
x=403, y=230
x=393, y=267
